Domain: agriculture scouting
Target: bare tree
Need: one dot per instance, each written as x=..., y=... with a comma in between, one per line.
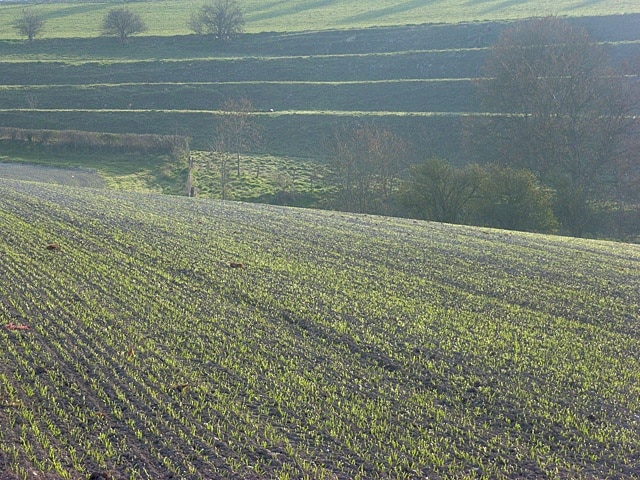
x=29, y=24
x=562, y=111
x=237, y=130
x=366, y=160
x=222, y=18
x=122, y=23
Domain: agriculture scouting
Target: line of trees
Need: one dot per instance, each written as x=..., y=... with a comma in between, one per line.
x=558, y=149
x=373, y=173
x=222, y=19
x=563, y=112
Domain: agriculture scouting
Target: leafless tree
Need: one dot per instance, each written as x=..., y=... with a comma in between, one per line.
x=221, y=156
x=237, y=130
x=561, y=110
x=222, y=18
x=29, y=24
x=122, y=23
x=367, y=160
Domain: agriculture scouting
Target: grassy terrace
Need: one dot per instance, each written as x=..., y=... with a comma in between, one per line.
x=385, y=58
x=347, y=347
x=419, y=96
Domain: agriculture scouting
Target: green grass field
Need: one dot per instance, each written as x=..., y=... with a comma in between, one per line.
x=168, y=18
x=312, y=81
x=367, y=62
x=263, y=178
x=348, y=346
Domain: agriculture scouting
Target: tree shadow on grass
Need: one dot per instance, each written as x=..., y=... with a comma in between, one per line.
x=384, y=12
x=292, y=9
x=506, y=4
x=266, y=6
x=587, y=3
x=75, y=10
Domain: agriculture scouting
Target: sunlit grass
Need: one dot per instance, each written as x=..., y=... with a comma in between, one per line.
x=170, y=17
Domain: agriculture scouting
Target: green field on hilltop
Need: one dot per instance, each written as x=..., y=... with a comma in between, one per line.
x=82, y=19
x=344, y=346
x=415, y=80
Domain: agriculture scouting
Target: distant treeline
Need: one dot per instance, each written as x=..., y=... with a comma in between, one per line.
x=82, y=140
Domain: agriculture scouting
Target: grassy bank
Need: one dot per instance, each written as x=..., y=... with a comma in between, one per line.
x=122, y=171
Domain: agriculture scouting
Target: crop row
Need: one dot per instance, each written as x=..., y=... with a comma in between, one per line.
x=348, y=345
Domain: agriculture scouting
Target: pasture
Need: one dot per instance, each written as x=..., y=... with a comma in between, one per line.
x=169, y=17
x=348, y=346
x=418, y=80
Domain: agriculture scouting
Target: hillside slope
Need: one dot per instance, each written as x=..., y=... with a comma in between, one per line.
x=419, y=80
x=346, y=346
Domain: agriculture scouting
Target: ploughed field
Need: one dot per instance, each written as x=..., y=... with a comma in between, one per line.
x=419, y=80
x=153, y=336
